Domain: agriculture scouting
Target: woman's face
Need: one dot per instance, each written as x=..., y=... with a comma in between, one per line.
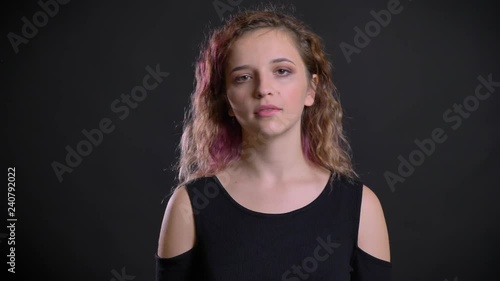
x=264, y=67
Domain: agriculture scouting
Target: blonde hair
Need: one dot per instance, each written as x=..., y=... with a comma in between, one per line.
x=210, y=141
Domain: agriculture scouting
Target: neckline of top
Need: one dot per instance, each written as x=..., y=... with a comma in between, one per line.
x=262, y=214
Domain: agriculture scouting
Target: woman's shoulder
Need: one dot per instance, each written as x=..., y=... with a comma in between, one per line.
x=372, y=230
x=351, y=184
x=177, y=234
x=373, y=235
x=200, y=183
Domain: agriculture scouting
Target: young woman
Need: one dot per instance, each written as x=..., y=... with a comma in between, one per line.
x=266, y=187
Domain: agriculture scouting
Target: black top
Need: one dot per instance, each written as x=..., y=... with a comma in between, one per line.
x=315, y=242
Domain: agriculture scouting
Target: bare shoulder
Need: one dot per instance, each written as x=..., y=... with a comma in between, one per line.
x=177, y=234
x=373, y=237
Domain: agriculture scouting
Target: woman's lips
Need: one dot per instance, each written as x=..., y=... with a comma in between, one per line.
x=267, y=112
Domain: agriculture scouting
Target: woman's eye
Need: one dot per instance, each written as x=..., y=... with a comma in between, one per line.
x=283, y=72
x=242, y=78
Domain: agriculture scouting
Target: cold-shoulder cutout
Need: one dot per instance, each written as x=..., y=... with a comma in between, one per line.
x=177, y=234
x=373, y=236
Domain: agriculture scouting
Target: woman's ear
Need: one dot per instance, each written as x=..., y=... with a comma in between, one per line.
x=311, y=91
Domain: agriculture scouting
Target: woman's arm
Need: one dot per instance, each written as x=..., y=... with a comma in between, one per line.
x=177, y=233
x=177, y=238
x=373, y=237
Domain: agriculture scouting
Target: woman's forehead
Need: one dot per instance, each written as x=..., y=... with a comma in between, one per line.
x=263, y=44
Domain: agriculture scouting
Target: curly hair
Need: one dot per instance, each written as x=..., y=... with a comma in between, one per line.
x=211, y=141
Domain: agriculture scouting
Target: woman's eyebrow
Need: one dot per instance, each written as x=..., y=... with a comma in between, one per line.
x=271, y=62
x=281, y=60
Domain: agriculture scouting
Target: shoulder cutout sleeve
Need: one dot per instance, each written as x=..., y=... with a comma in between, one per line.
x=369, y=268
x=365, y=266
x=176, y=268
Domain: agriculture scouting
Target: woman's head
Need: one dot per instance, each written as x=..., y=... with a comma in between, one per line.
x=264, y=67
x=223, y=102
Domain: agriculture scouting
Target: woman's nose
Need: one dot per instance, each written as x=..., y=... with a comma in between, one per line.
x=264, y=86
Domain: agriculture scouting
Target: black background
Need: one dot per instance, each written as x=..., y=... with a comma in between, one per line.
x=105, y=215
